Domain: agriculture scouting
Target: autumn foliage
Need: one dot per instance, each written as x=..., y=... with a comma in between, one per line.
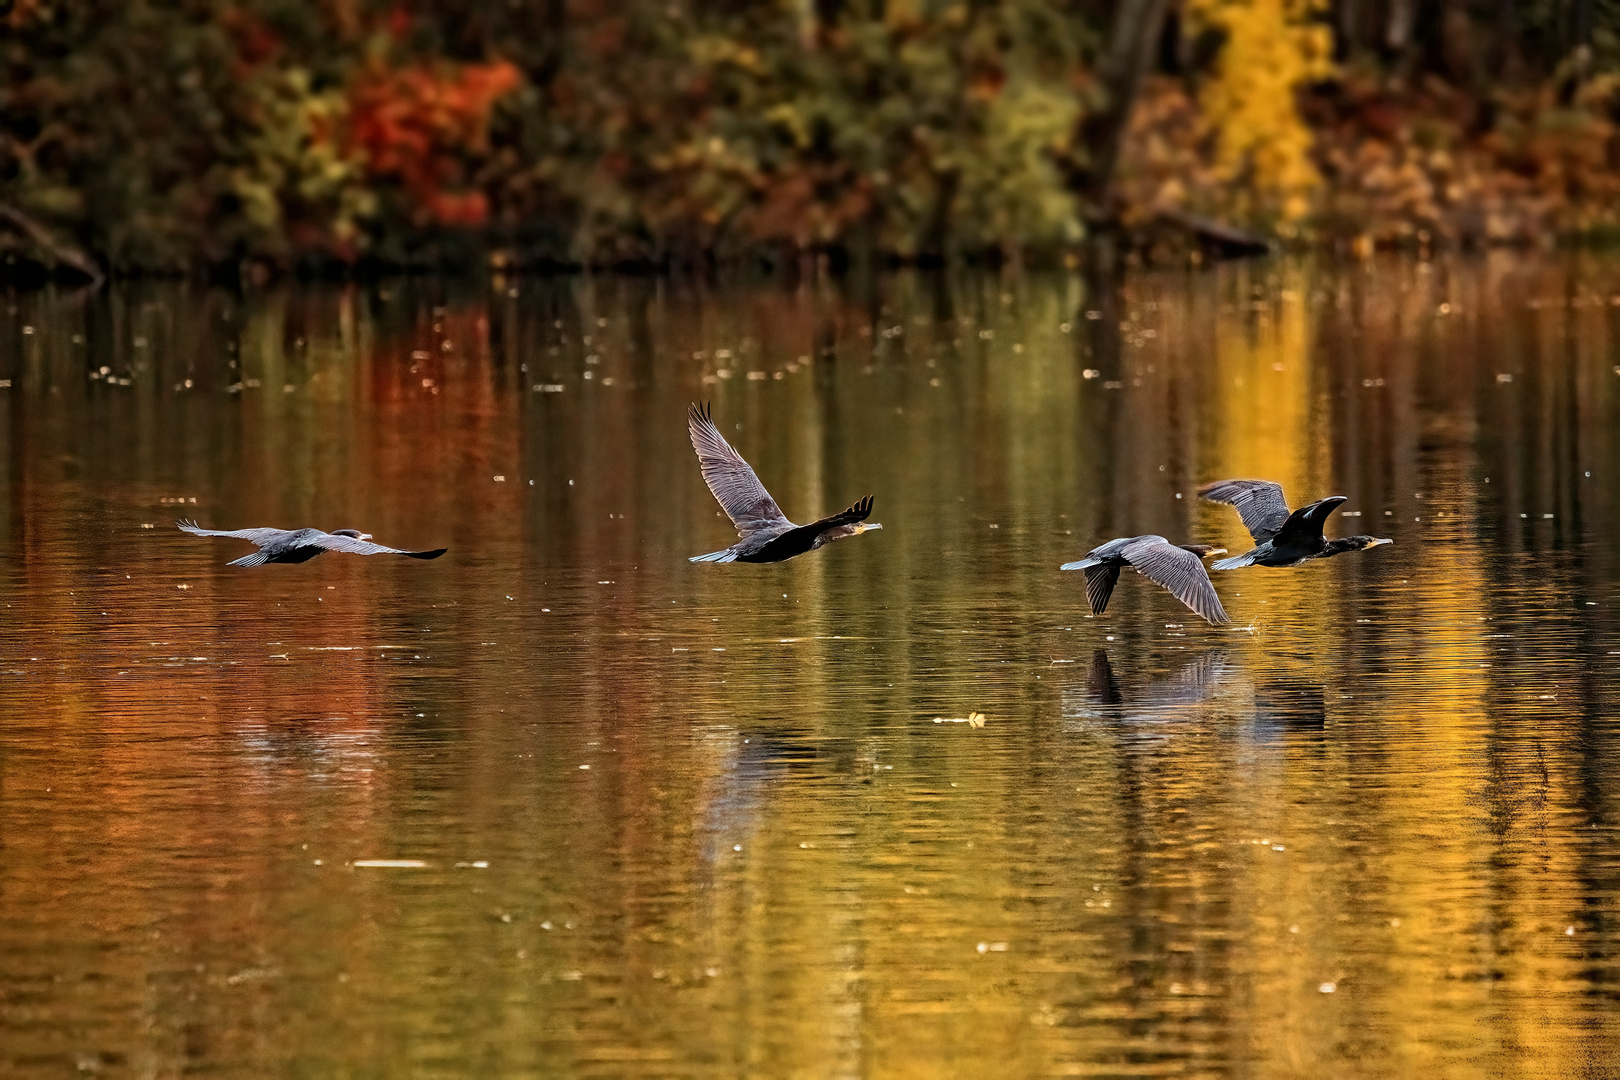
x=424, y=129
x=173, y=133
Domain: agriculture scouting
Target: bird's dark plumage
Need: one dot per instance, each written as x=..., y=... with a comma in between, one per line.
x=1281, y=537
x=1180, y=569
x=1259, y=503
x=302, y=545
x=767, y=535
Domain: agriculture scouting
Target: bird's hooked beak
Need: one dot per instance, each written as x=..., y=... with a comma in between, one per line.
x=1379, y=540
x=1203, y=551
x=867, y=525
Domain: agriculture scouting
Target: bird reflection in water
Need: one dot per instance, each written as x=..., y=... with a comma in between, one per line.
x=736, y=795
x=1284, y=704
x=1212, y=685
x=1103, y=698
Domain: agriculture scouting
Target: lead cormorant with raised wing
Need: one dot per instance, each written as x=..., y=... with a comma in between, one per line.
x=302, y=545
x=1178, y=568
x=767, y=534
x=1281, y=537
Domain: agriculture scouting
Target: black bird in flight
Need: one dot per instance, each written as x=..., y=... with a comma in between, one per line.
x=1281, y=538
x=302, y=545
x=767, y=535
x=1178, y=568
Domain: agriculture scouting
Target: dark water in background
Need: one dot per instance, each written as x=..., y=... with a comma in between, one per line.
x=682, y=819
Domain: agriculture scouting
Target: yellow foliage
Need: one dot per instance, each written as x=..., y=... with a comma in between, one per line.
x=290, y=157
x=1271, y=50
x=1010, y=189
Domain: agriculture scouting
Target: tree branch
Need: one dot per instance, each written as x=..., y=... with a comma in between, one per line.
x=1135, y=34
x=63, y=253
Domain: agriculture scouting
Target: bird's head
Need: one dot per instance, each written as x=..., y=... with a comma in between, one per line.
x=1203, y=551
x=844, y=532
x=354, y=533
x=1359, y=543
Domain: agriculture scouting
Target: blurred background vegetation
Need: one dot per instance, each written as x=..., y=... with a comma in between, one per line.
x=261, y=135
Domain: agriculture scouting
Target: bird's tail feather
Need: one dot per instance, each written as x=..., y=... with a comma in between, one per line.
x=1234, y=562
x=258, y=558
x=715, y=556
x=1083, y=564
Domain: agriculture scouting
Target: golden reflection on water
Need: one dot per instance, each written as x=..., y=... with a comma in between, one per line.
x=699, y=820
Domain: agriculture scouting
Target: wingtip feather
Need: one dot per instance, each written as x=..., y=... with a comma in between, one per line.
x=434, y=554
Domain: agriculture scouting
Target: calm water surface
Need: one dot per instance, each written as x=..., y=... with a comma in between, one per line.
x=665, y=819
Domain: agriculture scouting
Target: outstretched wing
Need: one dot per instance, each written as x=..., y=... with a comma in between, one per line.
x=260, y=537
x=1306, y=522
x=365, y=547
x=1100, y=582
x=1179, y=571
x=859, y=512
x=730, y=478
x=1259, y=503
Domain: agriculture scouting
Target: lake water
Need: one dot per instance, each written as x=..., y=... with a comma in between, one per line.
x=662, y=819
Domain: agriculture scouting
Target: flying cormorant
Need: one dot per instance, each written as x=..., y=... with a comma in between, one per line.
x=1178, y=568
x=1281, y=538
x=767, y=535
x=302, y=545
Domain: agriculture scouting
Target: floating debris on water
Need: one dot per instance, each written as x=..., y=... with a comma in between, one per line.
x=972, y=719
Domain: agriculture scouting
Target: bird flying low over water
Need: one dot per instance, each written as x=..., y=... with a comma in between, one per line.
x=767, y=535
x=302, y=545
x=1281, y=537
x=1178, y=568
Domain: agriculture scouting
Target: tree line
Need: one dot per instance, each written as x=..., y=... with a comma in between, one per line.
x=167, y=135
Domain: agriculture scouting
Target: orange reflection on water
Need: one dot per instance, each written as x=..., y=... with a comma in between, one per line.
x=698, y=819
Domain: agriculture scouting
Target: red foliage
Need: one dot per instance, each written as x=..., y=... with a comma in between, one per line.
x=17, y=15
x=417, y=125
x=254, y=40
